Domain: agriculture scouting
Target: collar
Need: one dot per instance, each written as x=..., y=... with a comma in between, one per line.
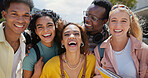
x=135, y=43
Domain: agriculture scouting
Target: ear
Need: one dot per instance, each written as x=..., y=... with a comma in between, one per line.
x=4, y=14
x=62, y=42
x=105, y=21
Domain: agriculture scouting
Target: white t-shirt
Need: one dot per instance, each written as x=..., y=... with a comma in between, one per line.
x=16, y=60
x=125, y=62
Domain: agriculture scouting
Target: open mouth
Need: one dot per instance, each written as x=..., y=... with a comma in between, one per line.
x=47, y=35
x=72, y=43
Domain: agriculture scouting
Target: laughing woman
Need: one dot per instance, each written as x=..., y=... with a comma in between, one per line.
x=125, y=53
x=73, y=63
x=43, y=32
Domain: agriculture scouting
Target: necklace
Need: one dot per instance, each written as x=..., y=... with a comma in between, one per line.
x=119, y=53
x=72, y=67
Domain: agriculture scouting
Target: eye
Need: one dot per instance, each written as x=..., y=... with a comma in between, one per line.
x=39, y=27
x=113, y=20
x=26, y=15
x=76, y=34
x=66, y=34
x=50, y=25
x=94, y=18
x=14, y=14
x=123, y=21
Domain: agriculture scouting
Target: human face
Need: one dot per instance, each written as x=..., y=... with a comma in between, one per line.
x=17, y=17
x=119, y=24
x=72, y=38
x=45, y=29
x=94, y=26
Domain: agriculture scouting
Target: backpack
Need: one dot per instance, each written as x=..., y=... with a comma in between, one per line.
x=101, y=51
x=28, y=41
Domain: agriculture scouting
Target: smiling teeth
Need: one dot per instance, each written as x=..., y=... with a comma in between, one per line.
x=47, y=35
x=87, y=25
x=19, y=25
x=118, y=30
x=72, y=42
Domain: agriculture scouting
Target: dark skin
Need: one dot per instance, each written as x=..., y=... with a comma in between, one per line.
x=91, y=26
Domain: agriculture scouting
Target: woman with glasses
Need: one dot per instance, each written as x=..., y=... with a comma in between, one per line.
x=43, y=32
x=73, y=61
x=125, y=53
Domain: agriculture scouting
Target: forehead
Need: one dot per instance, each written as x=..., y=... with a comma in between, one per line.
x=44, y=19
x=96, y=10
x=19, y=7
x=71, y=28
x=119, y=14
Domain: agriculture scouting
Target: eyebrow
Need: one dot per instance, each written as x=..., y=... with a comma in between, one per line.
x=39, y=25
x=49, y=23
x=16, y=11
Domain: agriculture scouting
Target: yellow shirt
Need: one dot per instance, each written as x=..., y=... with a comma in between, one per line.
x=52, y=68
x=7, y=56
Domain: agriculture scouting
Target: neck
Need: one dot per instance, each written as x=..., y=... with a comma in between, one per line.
x=73, y=58
x=10, y=36
x=49, y=44
x=119, y=44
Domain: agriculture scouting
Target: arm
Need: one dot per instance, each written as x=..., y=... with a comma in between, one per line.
x=37, y=70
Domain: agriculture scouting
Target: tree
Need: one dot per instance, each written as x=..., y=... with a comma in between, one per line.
x=129, y=3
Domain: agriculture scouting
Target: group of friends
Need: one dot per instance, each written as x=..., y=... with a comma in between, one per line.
x=110, y=38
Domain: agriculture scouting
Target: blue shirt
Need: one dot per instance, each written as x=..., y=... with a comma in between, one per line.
x=46, y=52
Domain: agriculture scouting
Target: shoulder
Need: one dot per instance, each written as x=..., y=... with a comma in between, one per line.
x=91, y=58
x=53, y=62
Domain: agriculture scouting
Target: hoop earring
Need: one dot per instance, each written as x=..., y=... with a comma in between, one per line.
x=82, y=44
x=62, y=46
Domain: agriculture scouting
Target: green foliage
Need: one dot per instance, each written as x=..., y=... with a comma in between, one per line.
x=128, y=3
x=2, y=19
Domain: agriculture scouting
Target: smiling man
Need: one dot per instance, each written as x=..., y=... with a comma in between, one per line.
x=12, y=46
x=95, y=19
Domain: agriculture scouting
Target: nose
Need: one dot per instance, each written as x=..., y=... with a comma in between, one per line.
x=20, y=19
x=72, y=36
x=46, y=29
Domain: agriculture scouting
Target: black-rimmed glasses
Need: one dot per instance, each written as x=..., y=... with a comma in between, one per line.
x=91, y=17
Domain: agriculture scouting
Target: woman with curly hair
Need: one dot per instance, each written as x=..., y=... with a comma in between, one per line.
x=43, y=32
x=74, y=61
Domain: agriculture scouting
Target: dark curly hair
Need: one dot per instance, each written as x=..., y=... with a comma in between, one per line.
x=105, y=4
x=28, y=2
x=35, y=16
x=85, y=48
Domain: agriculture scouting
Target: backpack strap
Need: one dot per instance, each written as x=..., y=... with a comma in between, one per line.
x=84, y=70
x=101, y=51
x=61, y=66
x=36, y=48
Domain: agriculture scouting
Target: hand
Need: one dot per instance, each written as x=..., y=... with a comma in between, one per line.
x=38, y=68
x=28, y=47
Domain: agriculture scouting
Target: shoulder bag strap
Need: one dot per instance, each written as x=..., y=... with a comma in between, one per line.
x=61, y=66
x=84, y=70
x=36, y=48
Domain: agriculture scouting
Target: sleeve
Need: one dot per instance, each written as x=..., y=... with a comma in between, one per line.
x=29, y=61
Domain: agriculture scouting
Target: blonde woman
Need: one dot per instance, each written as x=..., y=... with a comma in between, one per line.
x=125, y=53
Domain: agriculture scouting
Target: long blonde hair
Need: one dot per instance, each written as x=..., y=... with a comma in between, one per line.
x=135, y=28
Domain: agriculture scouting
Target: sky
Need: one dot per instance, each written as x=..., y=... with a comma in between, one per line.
x=69, y=10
